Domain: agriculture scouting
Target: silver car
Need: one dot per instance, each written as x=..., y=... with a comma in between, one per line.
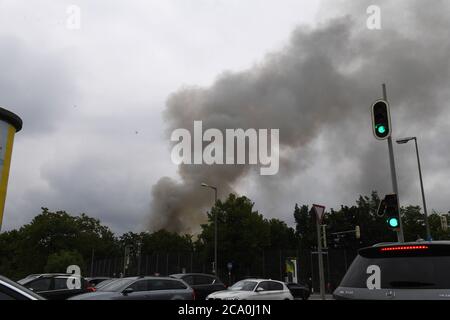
x=254, y=289
x=141, y=288
x=399, y=271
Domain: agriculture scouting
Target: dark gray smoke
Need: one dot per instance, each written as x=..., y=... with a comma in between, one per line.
x=322, y=82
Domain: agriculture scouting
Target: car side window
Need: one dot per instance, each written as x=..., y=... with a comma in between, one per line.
x=61, y=284
x=139, y=286
x=276, y=286
x=202, y=280
x=265, y=285
x=40, y=284
x=166, y=285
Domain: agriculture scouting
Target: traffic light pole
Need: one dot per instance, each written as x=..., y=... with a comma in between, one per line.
x=321, y=269
x=400, y=236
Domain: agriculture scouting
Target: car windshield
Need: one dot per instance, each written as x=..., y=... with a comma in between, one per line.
x=397, y=271
x=244, y=285
x=26, y=290
x=27, y=279
x=116, y=285
x=104, y=283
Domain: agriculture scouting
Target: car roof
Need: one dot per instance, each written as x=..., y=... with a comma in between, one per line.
x=149, y=278
x=260, y=280
x=385, y=244
x=192, y=274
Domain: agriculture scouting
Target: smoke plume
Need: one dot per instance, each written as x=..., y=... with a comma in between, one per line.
x=321, y=83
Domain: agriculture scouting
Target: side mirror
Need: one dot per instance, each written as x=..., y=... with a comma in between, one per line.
x=127, y=291
x=259, y=289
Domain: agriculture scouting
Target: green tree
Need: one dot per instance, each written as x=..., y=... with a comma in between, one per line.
x=242, y=233
x=58, y=262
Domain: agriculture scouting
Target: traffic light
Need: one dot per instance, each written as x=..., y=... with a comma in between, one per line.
x=392, y=211
x=381, y=119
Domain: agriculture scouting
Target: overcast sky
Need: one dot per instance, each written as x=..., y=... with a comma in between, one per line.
x=92, y=100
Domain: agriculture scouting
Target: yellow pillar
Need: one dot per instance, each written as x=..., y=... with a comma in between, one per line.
x=10, y=123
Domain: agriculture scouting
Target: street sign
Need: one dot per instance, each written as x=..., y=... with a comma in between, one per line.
x=319, y=210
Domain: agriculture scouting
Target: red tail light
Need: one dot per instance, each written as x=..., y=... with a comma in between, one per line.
x=193, y=295
x=91, y=289
x=404, y=248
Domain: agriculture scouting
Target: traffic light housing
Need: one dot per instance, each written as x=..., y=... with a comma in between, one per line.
x=392, y=212
x=381, y=120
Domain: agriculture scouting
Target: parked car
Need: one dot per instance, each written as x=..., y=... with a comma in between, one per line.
x=54, y=286
x=104, y=283
x=10, y=290
x=96, y=280
x=203, y=284
x=141, y=288
x=399, y=271
x=254, y=289
x=299, y=291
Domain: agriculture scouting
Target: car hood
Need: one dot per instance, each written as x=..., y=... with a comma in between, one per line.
x=99, y=295
x=229, y=294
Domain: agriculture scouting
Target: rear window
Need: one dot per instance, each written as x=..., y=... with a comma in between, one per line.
x=420, y=267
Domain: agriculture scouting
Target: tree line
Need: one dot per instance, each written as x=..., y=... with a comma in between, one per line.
x=54, y=240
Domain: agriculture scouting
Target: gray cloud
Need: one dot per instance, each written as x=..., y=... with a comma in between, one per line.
x=38, y=86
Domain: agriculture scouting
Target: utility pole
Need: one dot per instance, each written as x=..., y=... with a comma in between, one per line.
x=394, y=174
x=319, y=212
x=92, y=263
x=427, y=224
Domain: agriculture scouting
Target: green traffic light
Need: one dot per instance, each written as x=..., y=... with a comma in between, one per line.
x=381, y=129
x=393, y=222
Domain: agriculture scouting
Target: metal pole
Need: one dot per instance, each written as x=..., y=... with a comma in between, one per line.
x=423, y=193
x=139, y=259
x=312, y=271
x=263, y=264
x=215, y=234
x=321, y=271
x=394, y=175
x=92, y=263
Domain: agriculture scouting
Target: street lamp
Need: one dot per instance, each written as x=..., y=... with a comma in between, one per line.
x=215, y=226
x=405, y=141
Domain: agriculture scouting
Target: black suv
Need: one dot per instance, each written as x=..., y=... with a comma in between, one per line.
x=55, y=286
x=203, y=284
x=399, y=271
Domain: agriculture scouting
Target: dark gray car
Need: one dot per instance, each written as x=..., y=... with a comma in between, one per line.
x=399, y=271
x=141, y=288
